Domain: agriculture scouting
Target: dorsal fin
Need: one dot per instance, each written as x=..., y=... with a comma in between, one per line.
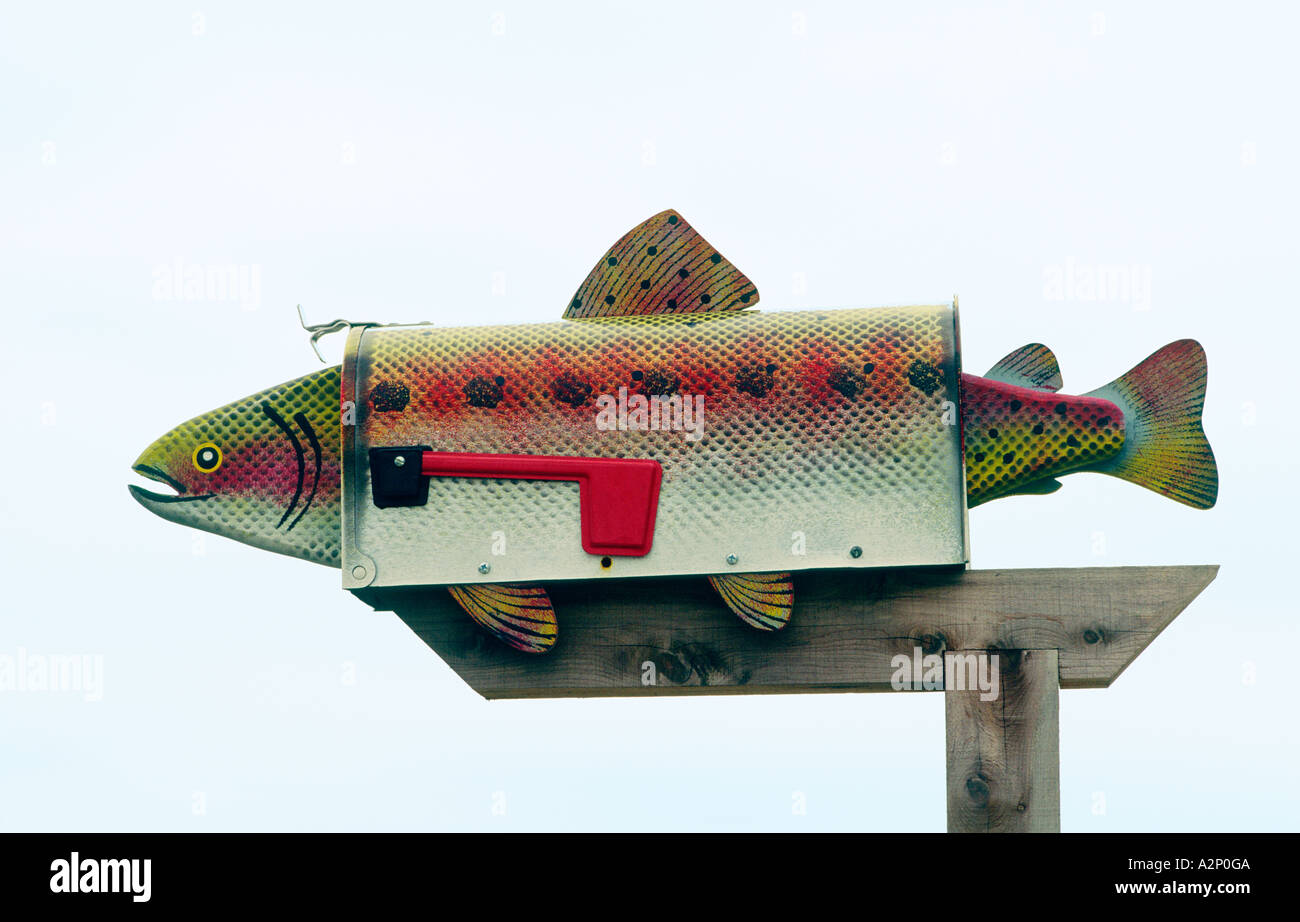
x=1029, y=366
x=661, y=266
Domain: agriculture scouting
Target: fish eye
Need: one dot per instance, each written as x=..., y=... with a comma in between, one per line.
x=207, y=457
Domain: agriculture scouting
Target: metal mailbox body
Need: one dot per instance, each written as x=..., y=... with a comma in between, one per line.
x=798, y=440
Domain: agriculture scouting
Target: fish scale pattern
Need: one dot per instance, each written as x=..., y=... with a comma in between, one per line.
x=1017, y=437
x=806, y=415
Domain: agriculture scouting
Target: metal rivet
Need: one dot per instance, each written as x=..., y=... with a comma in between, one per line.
x=733, y=559
x=485, y=568
x=358, y=572
x=855, y=552
x=399, y=461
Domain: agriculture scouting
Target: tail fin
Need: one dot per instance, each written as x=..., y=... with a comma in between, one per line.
x=1165, y=449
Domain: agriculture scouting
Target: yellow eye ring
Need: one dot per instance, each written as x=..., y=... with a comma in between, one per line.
x=207, y=457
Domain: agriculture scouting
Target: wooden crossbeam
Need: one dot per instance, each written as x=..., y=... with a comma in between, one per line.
x=675, y=637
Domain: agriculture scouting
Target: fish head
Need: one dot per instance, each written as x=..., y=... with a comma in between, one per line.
x=263, y=470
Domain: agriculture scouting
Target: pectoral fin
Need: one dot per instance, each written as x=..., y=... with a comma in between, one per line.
x=520, y=615
x=1038, y=488
x=761, y=600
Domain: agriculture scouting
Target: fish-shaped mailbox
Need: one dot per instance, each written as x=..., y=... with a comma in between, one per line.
x=663, y=427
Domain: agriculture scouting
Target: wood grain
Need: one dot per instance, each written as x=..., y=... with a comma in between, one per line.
x=1004, y=754
x=675, y=637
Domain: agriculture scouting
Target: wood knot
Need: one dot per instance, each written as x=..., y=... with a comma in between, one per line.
x=689, y=663
x=671, y=667
x=1093, y=635
x=977, y=788
x=931, y=644
x=1008, y=660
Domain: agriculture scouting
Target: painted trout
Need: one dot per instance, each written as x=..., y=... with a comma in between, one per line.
x=835, y=407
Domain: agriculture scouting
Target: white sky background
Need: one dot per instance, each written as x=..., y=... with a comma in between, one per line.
x=384, y=161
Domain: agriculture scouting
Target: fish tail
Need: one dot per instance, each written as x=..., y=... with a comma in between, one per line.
x=1165, y=448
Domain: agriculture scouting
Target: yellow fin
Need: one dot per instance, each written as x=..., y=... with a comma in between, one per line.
x=1165, y=448
x=761, y=600
x=521, y=616
x=661, y=266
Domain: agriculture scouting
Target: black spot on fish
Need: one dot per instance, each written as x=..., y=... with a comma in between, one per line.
x=1104, y=422
x=672, y=304
x=924, y=376
x=645, y=284
x=755, y=380
x=744, y=299
x=638, y=375
x=652, y=250
x=993, y=433
x=683, y=272
x=1015, y=405
x=979, y=456
x=484, y=392
x=1038, y=429
x=868, y=367
x=571, y=389
x=672, y=219
x=705, y=299
x=1072, y=442
x=390, y=397
x=1008, y=457
x=1060, y=408
x=613, y=260
x=609, y=299
x=715, y=258
x=661, y=381
x=844, y=381
x=577, y=302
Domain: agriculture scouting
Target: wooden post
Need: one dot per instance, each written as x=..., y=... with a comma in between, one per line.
x=1051, y=629
x=1004, y=754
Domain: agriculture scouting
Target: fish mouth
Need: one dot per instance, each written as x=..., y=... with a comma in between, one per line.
x=153, y=473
